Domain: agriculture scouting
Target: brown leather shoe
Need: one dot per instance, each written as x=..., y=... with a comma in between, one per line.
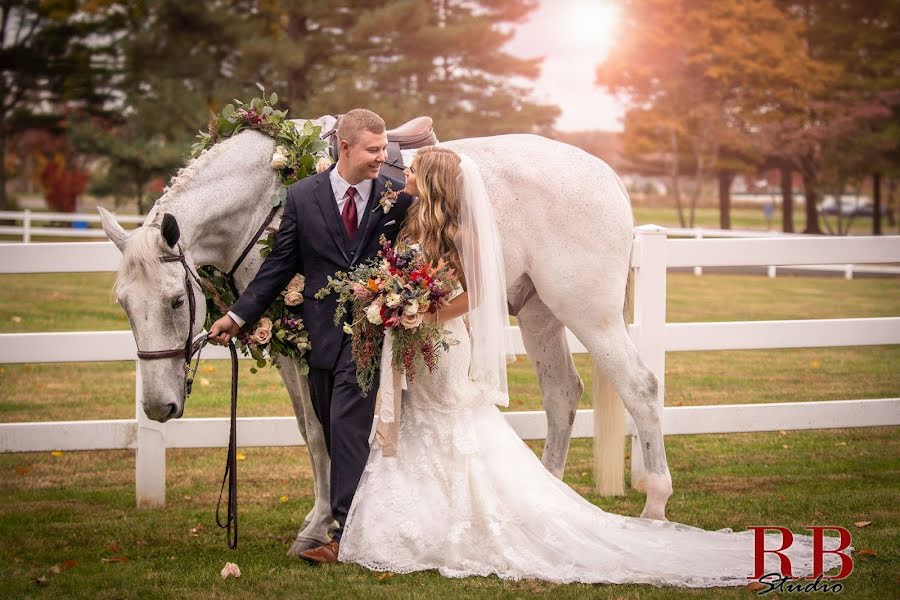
x=326, y=553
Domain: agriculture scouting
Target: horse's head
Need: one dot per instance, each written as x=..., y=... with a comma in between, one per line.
x=165, y=307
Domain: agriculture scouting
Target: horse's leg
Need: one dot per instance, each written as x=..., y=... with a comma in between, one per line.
x=561, y=387
x=318, y=524
x=595, y=317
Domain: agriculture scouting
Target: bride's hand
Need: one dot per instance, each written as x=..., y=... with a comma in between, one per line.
x=430, y=317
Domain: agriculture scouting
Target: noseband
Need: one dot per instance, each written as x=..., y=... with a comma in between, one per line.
x=193, y=344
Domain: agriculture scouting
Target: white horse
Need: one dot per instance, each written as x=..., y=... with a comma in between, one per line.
x=566, y=227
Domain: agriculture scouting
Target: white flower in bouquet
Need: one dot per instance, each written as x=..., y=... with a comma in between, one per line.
x=348, y=329
x=411, y=321
x=412, y=308
x=373, y=313
x=393, y=300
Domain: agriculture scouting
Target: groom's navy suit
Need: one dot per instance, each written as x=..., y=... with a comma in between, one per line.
x=313, y=241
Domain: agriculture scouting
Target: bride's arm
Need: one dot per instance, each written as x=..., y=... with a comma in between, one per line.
x=455, y=308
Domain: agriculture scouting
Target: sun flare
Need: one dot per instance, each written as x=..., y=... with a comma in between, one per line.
x=592, y=24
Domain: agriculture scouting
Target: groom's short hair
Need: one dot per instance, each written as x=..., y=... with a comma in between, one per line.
x=355, y=121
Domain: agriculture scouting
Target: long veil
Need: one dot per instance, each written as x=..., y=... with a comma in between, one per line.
x=481, y=254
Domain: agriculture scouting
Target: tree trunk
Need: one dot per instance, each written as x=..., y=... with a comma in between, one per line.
x=4, y=201
x=725, y=179
x=676, y=188
x=892, y=220
x=811, y=194
x=876, y=203
x=787, y=199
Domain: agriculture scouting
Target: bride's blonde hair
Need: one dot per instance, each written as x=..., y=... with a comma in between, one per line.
x=433, y=218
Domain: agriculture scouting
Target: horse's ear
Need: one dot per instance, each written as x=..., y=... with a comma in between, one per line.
x=113, y=230
x=169, y=229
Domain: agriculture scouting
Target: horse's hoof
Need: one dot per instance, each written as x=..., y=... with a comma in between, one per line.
x=650, y=513
x=304, y=544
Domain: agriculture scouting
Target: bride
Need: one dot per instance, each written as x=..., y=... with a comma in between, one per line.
x=460, y=492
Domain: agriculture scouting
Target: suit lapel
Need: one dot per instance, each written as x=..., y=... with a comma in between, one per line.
x=328, y=207
x=372, y=217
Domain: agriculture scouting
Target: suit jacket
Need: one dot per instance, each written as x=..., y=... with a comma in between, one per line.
x=312, y=241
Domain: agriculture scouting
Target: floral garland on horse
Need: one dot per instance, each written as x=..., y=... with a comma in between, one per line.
x=279, y=332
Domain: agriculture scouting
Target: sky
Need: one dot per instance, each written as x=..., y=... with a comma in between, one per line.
x=573, y=36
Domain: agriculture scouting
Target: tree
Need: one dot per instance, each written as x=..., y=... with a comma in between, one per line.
x=709, y=75
x=56, y=55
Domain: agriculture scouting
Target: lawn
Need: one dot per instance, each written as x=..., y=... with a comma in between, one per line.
x=79, y=506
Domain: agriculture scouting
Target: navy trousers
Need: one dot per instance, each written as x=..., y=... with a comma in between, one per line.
x=346, y=416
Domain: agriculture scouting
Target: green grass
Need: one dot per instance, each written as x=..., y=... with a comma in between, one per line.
x=79, y=506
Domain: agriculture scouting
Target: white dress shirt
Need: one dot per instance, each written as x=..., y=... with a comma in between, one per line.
x=339, y=186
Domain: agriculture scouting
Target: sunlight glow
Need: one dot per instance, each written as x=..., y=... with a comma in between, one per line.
x=591, y=25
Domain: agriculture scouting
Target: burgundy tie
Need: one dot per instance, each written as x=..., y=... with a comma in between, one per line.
x=348, y=215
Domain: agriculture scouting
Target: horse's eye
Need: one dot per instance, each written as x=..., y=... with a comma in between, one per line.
x=178, y=302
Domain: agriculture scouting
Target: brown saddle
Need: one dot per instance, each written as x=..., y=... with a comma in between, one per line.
x=415, y=133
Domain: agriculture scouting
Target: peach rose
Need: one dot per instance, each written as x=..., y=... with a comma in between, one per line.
x=411, y=321
x=293, y=298
x=263, y=332
x=296, y=284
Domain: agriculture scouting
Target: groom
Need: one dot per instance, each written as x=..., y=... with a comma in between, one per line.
x=332, y=222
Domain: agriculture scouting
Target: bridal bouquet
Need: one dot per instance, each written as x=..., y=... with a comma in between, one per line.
x=391, y=294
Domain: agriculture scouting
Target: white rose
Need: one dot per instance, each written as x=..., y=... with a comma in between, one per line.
x=373, y=313
x=293, y=298
x=411, y=321
x=393, y=300
x=411, y=308
x=279, y=161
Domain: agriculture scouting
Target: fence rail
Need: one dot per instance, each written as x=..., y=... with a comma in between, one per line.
x=653, y=336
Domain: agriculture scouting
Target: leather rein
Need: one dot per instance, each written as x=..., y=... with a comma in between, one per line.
x=194, y=345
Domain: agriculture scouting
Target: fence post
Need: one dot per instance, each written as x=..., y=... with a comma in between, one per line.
x=26, y=226
x=150, y=455
x=650, y=321
x=698, y=236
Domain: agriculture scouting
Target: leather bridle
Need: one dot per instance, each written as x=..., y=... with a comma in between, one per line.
x=194, y=344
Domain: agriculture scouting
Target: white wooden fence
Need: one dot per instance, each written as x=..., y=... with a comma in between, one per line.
x=653, y=254
x=28, y=219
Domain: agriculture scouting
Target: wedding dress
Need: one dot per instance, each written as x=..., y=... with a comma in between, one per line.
x=460, y=492
x=465, y=495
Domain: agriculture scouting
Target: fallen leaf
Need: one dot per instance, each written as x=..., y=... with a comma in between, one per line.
x=39, y=580
x=56, y=453
x=282, y=499
x=115, y=559
x=867, y=552
x=862, y=523
x=55, y=569
x=22, y=470
x=204, y=381
x=16, y=319
x=195, y=531
x=67, y=564
x=783, y=432
x=386, y=575
x=187, y=497
x=815, y=364
x=785, y=446
x=230, y=569
x=755, y=586
x=841, y=444
x=208, y=370
x=782, y=498
x=241, y=456
x=114, y=548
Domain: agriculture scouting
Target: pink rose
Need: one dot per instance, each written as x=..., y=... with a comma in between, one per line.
x=293, y=298
x=263, y=332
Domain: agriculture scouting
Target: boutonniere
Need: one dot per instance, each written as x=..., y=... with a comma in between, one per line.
x=388, y=198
